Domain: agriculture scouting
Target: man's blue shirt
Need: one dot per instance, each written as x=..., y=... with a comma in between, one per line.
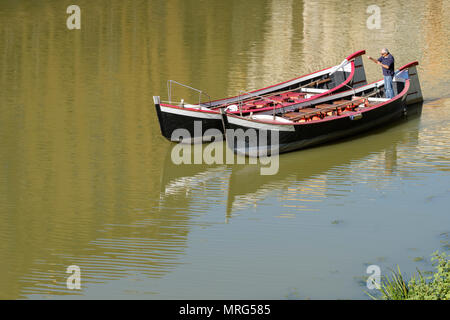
x=388, y=61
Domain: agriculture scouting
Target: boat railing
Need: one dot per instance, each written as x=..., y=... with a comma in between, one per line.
x=200, y=92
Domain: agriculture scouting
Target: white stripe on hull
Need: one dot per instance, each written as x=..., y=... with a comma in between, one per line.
x=258, y=125
x=190, y=113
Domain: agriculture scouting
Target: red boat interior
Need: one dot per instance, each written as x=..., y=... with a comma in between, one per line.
x=336, y=108
x=284, y=98
x=343, y=106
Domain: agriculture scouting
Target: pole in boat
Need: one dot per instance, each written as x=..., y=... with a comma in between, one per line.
x=273, y=113
x=240, y=104
x=224, y=121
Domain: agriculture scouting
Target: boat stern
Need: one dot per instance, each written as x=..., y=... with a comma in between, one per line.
x=359, y=78
x=410, y=72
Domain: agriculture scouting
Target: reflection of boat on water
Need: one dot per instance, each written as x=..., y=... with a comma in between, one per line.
x=247, y=185
x=181, y=179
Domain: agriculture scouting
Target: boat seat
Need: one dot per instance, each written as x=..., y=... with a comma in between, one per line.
x=247, y=106
x=261, y=103
x=324, y=105
x=291, y=115
x=307, y=110
x=358, y=101
x=342, y=102
x=292, y=95
x=276, y=98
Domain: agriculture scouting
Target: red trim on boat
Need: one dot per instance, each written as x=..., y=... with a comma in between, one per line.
x=350, y=57
x=356, y=54
x=411, y=64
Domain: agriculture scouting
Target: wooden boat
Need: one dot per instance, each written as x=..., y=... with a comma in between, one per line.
x=348, y=74
x=299, y=125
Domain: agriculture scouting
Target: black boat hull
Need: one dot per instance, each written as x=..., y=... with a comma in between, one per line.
x=189, y=127
x=321, y=132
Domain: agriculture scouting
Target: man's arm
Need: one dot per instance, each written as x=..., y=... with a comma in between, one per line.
x=378, y=62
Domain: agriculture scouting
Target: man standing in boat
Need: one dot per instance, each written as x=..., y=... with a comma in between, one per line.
x=387, y=64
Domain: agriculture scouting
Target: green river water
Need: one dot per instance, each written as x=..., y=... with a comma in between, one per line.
x=86, y=178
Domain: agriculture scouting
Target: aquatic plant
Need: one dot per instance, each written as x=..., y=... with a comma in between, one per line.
x=419, y=287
